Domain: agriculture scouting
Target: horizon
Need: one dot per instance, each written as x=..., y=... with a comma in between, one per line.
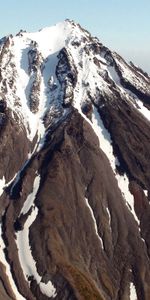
x=122, y=27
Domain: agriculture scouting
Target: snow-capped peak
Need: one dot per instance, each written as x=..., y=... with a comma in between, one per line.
x=45, y=77
x=45, y=72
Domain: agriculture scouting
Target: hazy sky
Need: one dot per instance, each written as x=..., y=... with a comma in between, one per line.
x=124, y=26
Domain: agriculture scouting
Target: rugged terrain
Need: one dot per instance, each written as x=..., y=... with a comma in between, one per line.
x=74, y=169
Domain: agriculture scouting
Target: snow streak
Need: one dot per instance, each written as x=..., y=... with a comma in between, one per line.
x=133, y=294
x=106, y=145
x=25, y=255
x=8, y=271
x=95, y=224
x=2, y=185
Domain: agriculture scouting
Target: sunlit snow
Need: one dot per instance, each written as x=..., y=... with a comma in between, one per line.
x=8, y=271
x=25, y=255
x=95, y=224
x=109, y=216
x=106, y=146
x=136, y=102
x=145, y=192
x=2, y=185
x=145, y=111
x=133, y=294
x=123, y=183
x=104, y=137
x=31, y=197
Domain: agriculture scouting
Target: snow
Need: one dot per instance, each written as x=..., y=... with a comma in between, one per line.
x=113, y=75
x=104, y=137
x=25, y=255
x=145, y=111
x=88, y=72
x=8, y=271
x=128, y=73
x=48, y=289
x=31, y=197
x=106, y=145
x=24, y=84
x=2, y=185
x=109, y=215
x=145, y=192
x=136, y=102
x=50, y=39
x=11, y=180
x=95, y=224
x=48, y=42
x=133, y=294
x=123, y=183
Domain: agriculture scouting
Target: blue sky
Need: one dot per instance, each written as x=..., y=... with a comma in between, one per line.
x=124, y=26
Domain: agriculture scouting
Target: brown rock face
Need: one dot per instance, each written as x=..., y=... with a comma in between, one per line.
x=128, y=128
x=13, y=142
x=5, y=289
x=84, y=254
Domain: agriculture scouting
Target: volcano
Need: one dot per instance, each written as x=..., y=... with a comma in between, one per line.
x=74, y=169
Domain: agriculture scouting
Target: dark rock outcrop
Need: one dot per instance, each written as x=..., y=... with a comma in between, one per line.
x=67, y=75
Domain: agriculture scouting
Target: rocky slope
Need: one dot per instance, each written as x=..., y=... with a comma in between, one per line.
x=74, y=169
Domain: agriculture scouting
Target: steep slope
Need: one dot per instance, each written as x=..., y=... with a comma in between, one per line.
x=74, y=169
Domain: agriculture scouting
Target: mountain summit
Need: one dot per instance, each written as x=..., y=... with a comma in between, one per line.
x=74, y=169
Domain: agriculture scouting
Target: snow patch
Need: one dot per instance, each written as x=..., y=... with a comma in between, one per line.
x=30, y=199
x=128, y=73
x=2, y=185
x=50, y=39
x=133, y=294
x=114, y=75
x=25, y=255
x=95, y=224
x=88, y=73
x=145, y=192
x=109, y=215
x=104, y=137
x=48, y=289
x=27, y=262
x=11, y=180
x=48, y=42
x=136, y=102
x=123, y=183
x=106, y=145
x=143, y=110
x=8, y=271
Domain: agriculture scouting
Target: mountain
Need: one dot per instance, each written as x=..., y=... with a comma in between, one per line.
x=74, y=169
